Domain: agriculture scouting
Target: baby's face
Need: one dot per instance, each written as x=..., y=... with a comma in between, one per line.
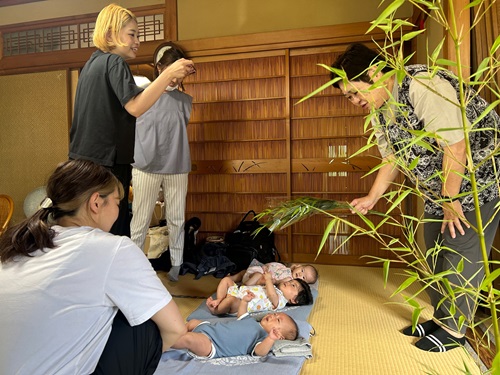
x=290, y=289
x=305, y=273
x=280, y=321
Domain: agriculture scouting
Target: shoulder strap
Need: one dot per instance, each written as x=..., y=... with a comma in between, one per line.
x=248, y=213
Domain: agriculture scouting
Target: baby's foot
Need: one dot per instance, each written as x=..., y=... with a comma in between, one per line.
x=212, y=304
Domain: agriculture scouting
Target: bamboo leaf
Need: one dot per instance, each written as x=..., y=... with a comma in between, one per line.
x=367, y=221
x=453, y=308
x=414, y=163
x=473, y=3
x=460, y=265
x=405, y=284
x=485, y=113
x=398, y=201
x=385, y=14
x=415, y=317
x=411, y=35
x=483, y=66
x=386, y=266
x=489, y=280
x=326, y=234
x=495, y=46
x=448, y=287
x=495, y=368
x=446, y=62
x=428, y=4
x=461, y=321
x=318, y=90
x=437, y=51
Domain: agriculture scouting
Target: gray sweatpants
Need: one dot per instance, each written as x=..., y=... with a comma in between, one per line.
x=466, y=247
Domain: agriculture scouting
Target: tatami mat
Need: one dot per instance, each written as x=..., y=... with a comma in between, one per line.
x=357, y=325
x=358, y=329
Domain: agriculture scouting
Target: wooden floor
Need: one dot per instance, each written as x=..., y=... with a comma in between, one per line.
x=358, y=325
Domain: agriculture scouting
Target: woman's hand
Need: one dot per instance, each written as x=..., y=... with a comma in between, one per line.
x=179, y=69
x=453, y=218
x=363, y=204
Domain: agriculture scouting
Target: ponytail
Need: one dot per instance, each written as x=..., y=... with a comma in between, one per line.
x=30, y=235
x=69, y=188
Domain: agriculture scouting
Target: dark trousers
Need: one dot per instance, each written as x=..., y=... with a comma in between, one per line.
x=464, y=249
x=121, y=226
x=130, y=350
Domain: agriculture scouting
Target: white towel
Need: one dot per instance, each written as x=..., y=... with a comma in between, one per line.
x=296, y=348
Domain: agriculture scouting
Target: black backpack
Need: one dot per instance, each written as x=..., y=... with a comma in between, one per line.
x=191, y=252
x=243, y=245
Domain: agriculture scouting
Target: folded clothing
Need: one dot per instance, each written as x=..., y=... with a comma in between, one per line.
x=296, y=348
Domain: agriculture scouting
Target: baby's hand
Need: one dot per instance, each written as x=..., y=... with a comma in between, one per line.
x=249, y=296
x=274, y=334
x=268, y=276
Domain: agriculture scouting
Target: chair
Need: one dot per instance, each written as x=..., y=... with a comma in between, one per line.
x=6, y=210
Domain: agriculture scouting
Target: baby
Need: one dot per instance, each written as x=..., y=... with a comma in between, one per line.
x=206, y=340
x=263, y=298
x=254, y=275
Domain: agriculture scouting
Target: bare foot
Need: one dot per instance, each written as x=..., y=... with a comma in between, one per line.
x=212, y=304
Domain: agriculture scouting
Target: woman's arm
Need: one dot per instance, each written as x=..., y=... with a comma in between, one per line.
x=454, y=160
x=170, y=323
x=385, y=176
x=145, y=100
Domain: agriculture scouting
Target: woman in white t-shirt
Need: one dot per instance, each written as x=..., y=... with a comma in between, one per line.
x=76, y=299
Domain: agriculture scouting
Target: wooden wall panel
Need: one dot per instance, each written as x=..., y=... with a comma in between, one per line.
x=326, y=127
x=237, y=130
x=252, y=146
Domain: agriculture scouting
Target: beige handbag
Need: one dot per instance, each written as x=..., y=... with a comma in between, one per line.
x=156, y=242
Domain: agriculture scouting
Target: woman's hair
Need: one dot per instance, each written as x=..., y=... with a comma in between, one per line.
x=69, y=187
x=355, y=61
x=109, y=23
x=165, y=55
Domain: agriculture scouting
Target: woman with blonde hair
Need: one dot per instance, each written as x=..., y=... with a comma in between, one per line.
x=108, y=101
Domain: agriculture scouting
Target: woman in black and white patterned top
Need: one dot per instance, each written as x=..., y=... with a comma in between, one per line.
x=418, y=122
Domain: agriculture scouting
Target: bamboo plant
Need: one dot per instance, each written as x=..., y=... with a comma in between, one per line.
x=417, y=261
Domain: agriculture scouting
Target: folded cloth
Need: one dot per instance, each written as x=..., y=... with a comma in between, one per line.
x=296, y=348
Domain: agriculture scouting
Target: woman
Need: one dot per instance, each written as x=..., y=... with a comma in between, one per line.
x=71, y=300
x=162, y=160
x=108, y=101
x=430, y=103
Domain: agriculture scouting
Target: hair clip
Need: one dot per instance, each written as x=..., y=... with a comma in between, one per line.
x=161, y=52
x=46, y=203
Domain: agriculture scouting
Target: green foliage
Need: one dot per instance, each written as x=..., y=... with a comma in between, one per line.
x=405, y=249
